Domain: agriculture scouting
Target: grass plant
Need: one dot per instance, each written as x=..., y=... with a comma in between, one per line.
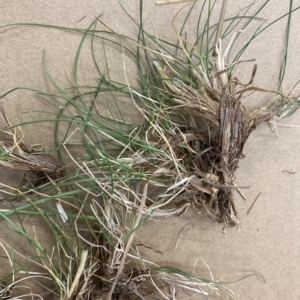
x=183, y=154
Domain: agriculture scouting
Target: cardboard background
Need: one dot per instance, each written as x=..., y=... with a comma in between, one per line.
x=268, y=239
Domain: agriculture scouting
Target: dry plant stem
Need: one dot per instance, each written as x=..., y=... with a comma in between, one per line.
x=220, y=24
x=17, y=155
x=230, y=127
x=129, y=242
x=231, y=147
x=79, y=272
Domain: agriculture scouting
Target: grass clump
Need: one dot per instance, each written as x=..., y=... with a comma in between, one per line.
x=184, y=154
x=195, y=121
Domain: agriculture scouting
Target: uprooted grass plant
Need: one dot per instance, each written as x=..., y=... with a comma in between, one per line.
x=184, y=154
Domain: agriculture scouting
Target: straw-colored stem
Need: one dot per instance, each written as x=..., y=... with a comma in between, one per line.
x=220, y=25
x=79, y=272
x=130, y=240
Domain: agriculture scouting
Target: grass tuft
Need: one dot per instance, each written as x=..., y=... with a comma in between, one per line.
x=183, y=154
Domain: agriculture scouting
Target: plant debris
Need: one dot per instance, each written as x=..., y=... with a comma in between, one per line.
x=15, y=154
